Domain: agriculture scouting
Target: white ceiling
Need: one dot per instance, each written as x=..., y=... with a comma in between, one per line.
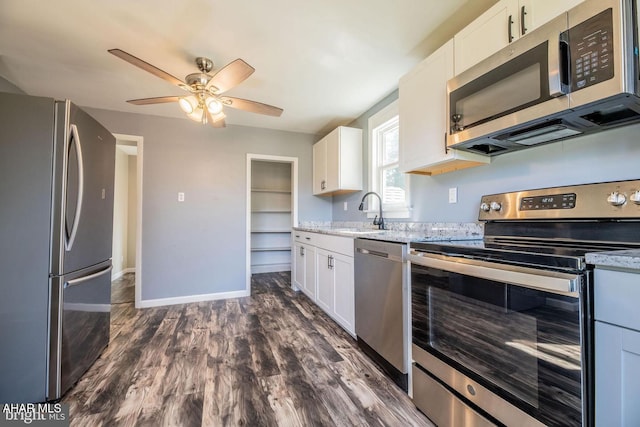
x=324, y=62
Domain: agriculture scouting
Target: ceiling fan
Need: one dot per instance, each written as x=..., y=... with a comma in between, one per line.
x=205, y=101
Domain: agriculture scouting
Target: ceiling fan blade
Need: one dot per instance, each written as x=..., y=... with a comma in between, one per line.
x=251, y=106
x=231, y=75
x=216, y=121
x=147, y=67
x=157, y=100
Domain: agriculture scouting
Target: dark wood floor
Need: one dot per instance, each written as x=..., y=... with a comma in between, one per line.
x=272, y=359
x=123, y=289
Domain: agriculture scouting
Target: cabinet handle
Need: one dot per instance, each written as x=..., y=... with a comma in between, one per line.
x=446, y=149
x=323, y=184
x=330, y=261
x=301, y=250
x=297, y=235
x=523, y=29
x=509, y=25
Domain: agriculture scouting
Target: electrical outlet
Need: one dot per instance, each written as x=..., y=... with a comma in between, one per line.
x=453, y=195
x=181, y=196
x=345, y=206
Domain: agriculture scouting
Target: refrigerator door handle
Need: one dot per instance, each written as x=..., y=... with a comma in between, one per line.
x=68, y=244
x=83, y=279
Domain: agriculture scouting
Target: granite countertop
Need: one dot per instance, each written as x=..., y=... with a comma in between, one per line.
x=406, y=234
x=622, y=259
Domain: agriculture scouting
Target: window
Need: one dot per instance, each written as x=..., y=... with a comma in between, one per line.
x=386, y=178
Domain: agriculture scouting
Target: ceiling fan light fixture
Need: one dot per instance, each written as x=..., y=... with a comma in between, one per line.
x=197, y=114
x=188, y=104
x=213, y=105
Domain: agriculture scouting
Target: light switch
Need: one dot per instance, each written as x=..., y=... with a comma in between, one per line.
x=104, y=194
x=181, y=196
x=453, y=195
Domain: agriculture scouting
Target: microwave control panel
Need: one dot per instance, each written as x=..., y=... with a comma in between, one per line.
x=591, y=49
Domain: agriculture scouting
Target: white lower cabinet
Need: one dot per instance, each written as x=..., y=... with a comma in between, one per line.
x=325, y=273
x=304, y=270
x=617, y=348
x=326, y=280
x=344, y=310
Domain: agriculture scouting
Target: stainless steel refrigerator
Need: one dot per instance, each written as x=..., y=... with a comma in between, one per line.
x=56, y=212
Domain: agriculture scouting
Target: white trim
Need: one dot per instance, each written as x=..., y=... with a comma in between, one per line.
x=121, y=273
x=139, y=140
x=294, y=203
x=190, y=299
x=376, y=120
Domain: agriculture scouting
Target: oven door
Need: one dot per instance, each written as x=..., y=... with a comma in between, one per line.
x=508, y=339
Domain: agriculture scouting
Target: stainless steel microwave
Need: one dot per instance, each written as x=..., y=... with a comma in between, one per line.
x=576, y=74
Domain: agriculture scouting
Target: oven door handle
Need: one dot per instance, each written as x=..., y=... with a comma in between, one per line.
x=549, y=281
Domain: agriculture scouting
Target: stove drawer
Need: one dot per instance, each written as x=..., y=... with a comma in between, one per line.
x=441, y=406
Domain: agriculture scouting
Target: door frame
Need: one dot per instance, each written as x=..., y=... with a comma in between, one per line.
x=293, y=161
x=139, y=140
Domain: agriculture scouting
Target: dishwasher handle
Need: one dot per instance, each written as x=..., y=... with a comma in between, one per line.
x=378, y=254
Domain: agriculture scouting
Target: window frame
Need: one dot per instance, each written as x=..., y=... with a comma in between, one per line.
x=382, y=118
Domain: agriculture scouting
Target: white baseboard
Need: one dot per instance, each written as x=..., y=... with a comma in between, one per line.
x=270, y=268
x=192, y=298
x=121, y=273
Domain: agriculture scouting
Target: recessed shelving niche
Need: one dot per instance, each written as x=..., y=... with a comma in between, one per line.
x=271, y=219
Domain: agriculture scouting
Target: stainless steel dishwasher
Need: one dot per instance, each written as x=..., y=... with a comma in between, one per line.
x=381, y=318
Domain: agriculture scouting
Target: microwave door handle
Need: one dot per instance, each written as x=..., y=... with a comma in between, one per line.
x=555, y=69
x=559, y=61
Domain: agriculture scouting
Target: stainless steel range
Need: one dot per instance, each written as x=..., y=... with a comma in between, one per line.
x=502, y=328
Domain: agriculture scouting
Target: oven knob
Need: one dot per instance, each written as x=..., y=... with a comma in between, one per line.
x=616, y=199
x=495, y=206
x=485, y=207
x=635, y=197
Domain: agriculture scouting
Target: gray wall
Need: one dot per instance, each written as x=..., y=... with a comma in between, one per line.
x=609, y=156
x=199, y=246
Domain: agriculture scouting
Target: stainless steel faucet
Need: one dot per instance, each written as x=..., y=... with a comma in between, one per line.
x=376, y=221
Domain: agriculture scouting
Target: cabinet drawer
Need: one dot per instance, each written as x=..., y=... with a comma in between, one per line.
x=337, y=244
x=616, y=296
x=304, y=237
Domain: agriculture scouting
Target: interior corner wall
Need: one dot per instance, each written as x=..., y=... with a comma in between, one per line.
x=7, y=86
x=611, y=155
x=132, y=211
x=120, y=216
x=198, y=247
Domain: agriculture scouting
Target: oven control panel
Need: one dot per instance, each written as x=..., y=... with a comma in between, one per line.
x=608, y=200
x=556, y=201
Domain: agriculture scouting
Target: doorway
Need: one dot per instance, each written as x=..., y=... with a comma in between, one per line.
x=272, y=209
x=127, y=221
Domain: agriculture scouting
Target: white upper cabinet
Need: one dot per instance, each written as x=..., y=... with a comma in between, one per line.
x=503, y=23
x=422, y=106
x=337, y=162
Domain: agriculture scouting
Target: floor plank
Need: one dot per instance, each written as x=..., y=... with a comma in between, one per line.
x=271, y=359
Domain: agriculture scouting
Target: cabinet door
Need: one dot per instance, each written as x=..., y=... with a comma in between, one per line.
x=617, y=372
x=422, y=101
x=333, y=161
x=320, y=167
x=344, y=310
x=310, y=271
x=326, y=279
x=534, y=13
x=298, y=266
x=486, y=35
